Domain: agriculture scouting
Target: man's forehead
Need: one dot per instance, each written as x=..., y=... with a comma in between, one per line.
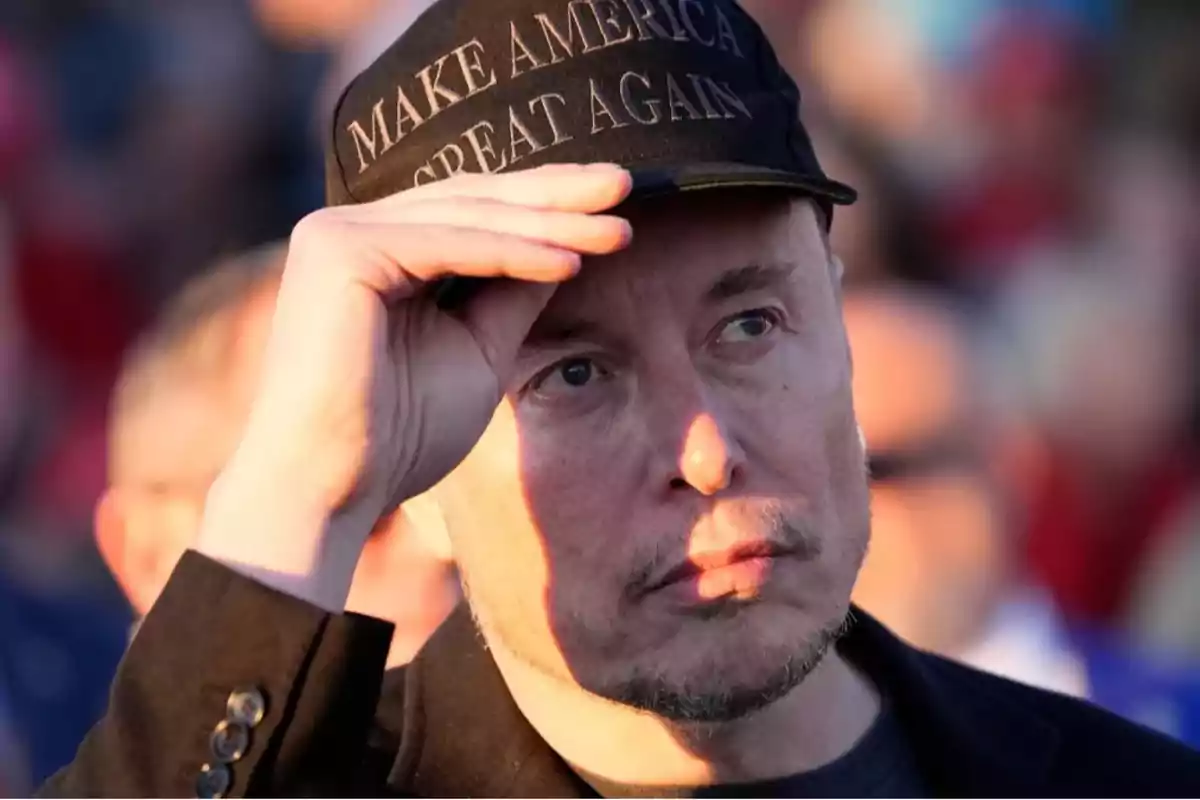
x=572, y=316
x=693, y=251
x=691, y=239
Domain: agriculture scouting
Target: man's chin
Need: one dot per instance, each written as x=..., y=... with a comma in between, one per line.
x=714, y=697
x=727, y=667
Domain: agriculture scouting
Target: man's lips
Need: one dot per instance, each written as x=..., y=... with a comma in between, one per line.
x=709, y=562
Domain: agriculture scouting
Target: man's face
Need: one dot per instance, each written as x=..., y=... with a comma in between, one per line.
x=677, y=407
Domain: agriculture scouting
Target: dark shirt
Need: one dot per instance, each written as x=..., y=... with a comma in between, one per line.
x=881, y=764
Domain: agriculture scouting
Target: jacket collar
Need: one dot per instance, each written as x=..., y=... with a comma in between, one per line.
x=463, y=734
x=969, y=739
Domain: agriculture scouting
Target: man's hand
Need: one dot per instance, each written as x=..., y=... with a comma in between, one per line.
x=370, y=392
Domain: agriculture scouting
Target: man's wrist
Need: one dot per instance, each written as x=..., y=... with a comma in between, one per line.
x=270, y=529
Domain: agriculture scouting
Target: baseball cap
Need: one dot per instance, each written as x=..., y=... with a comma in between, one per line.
x=686, y=94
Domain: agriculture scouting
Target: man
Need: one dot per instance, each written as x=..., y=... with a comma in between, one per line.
x=940, y=571
x=630, y=407
x=178, y=409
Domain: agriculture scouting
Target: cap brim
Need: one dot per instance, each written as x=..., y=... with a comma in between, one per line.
x=656, y=181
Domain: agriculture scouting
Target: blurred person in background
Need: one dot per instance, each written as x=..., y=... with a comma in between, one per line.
x=1164, y=608
x=1097, y=363
x=886, y=236
x=990, y=108
x=177, y=414
x=886, y=90
x=315, y=23
x=1029, y=105
x=943, y=568
x=1164, y=625
x=1164, y=614
x=137, y=140
x=157, y=147
x=170, y=136
x=57, y=639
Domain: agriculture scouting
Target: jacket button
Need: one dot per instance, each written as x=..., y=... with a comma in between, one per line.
x=213, y=781
x=246, y=706
x=229, y=741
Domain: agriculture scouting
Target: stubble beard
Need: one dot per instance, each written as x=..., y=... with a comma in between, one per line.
x=713, y=699
x=687, y=702
x=724, y=702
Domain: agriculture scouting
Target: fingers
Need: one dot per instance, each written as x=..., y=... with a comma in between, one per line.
x=590, y=234
x=393, y=259
x=392, y=256
x=500, y=317
x=585, y=188
x=532, y=225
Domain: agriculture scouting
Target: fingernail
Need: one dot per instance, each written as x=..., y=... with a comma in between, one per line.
x=626, y=232
x=574, y=265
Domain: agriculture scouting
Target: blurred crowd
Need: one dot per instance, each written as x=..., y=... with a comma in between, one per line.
x=1022, y=277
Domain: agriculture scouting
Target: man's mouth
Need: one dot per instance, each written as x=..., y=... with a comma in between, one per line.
x=739, y=571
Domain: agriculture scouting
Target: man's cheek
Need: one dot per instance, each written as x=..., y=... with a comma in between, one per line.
x=793, y=418
x=802, y=376
x=570, y=504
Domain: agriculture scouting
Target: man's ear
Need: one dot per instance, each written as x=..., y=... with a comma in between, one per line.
x=837, y=277
x=113, y=540
x=141, y=539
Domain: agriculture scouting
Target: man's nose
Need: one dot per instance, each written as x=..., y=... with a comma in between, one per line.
x=710, y=459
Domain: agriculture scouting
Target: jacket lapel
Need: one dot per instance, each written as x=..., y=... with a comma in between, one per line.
x=463, y=735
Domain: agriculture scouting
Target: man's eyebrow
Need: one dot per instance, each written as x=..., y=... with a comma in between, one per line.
x=750, y=278
x=551, y=332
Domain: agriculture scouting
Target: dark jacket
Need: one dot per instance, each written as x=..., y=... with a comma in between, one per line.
x=446, y=725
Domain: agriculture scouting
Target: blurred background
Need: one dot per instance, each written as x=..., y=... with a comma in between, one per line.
x=1022, y=297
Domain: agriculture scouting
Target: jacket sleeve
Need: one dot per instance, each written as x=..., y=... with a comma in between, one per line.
x=231, y=688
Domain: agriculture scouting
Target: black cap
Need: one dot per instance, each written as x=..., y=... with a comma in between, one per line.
x=687, y=94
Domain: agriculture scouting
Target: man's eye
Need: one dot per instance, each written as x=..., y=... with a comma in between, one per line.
x=573, y=373
x=577, y=372
x=748, y=326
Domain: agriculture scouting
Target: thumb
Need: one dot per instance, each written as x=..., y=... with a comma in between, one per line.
x=500, y=316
